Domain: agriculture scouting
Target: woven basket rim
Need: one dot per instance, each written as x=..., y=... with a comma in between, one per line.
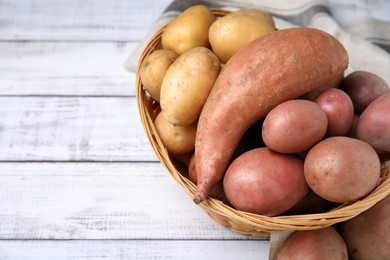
x=239, y=221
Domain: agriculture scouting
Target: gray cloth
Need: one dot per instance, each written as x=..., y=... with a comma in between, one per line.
x=362, y=26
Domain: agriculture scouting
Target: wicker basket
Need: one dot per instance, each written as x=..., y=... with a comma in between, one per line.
x=239, y=221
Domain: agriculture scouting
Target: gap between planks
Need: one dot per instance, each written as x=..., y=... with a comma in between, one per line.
x=72, y=129
x=65, y=69
x=100, y=201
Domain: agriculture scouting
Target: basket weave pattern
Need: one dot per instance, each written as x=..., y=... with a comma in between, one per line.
x=239, y=221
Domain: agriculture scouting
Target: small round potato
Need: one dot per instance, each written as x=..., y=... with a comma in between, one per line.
x=320, y=244
x=177, y=139
x=188, y=30
x=235, y=30
x=374, y=124
x=264, y=182
x=187, y=84
x=255, y=13
x=342, y=169
x=363, y=87
x=153, y=70
x=294, y=126
x=338, y=108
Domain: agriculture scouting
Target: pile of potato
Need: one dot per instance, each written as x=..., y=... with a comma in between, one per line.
x=306, y=152
x=168, y=74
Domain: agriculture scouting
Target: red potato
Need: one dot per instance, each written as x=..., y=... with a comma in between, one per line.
x=374, y=124
x=294, y=126
x=264, y=182
x=277, y=67
x=368, y=234
x=338, y=108
x=363, y=87
x=320, y=244
x=342, y=169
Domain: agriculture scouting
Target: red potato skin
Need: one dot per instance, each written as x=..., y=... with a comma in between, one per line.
x=294, y=126
x=279, y=66
x=342, y=169
x=363, y=87
x=264, y=182
x=339, y=110
x=368, y=234
x=374, y=124
x=320, y=244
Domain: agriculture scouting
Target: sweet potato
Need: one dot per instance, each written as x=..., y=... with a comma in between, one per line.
x=332, y=83
x=217, y=192
x=279, y=66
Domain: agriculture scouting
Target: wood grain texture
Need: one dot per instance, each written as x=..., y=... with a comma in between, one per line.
x=72, y=129
x=78, y=177
x=65, y=68
x=99, y=201
x=88, y=20
x=130, y=249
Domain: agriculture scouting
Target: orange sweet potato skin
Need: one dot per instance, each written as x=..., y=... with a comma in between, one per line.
x=282, y=65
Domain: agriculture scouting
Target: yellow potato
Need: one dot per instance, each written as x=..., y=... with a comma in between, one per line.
x=153, y=69
x=188, y=30
x=187, y=84
x=177, y=139
x=232, y=32
x=256, y=14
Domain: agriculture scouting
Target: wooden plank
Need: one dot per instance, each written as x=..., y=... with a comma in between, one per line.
x=130, y=249
x=66, y=68
x=72, y=129
x=100, y=20
x=99, y=201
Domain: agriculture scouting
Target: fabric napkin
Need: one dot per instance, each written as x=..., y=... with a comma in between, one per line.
x=362, y=26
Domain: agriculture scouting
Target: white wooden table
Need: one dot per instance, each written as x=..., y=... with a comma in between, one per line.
x=78, y=178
